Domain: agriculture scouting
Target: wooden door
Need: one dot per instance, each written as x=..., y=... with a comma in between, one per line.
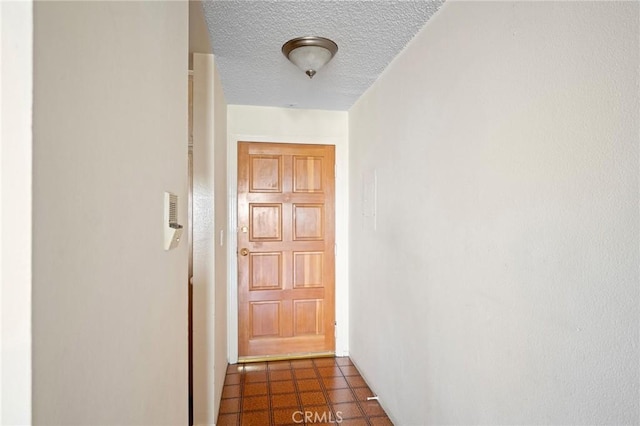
x=286, y=249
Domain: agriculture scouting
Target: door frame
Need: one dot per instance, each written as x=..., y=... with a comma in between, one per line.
x=341, y=235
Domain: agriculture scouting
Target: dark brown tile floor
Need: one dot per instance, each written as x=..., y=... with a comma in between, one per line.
x=319, y=391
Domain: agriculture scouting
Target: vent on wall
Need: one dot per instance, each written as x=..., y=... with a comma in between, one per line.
x=172, y=230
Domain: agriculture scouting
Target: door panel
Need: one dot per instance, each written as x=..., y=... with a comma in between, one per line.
x=308, y=222
x=286, y=263
x=265, y=222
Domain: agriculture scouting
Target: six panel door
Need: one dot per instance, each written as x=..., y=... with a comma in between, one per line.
x=286, y=257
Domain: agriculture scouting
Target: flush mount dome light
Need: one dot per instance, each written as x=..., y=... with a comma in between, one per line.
x=309, y=53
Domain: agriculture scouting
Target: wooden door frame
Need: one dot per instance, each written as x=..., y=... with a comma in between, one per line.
x=341, y=213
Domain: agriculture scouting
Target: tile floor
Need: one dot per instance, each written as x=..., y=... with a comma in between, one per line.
x=324, y=390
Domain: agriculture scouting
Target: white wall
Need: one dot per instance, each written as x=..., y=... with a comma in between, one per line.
x=110, y=136
x=16, y=72
x=269, y=124
x=501, y=284
x=210, y=250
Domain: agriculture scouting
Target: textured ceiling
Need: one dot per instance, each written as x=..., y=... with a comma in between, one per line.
x=246, y=37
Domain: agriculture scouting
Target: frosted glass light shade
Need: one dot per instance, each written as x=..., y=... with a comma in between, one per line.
x=310, y=58
x=309, y=53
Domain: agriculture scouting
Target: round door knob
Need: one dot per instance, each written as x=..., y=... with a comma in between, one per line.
x=244, y=252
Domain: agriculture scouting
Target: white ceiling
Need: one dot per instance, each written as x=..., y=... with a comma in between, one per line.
x=246, y=37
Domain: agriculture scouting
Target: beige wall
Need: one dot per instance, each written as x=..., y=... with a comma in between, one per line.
x=110, y=136
x=198, y=32
x=268, y=124
x=210, y=249
x=16, y=72
x=221, y=209
x=497, y=282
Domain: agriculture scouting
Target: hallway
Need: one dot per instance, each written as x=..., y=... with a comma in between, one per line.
x=487, y=230
x=325, y=390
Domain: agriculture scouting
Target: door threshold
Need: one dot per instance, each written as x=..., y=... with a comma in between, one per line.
x=264, y=358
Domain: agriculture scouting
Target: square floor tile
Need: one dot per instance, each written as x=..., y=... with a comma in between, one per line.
x=356, y=381
x=279, y=365
x=232, y=379
x=308, y=385
x=283, y=400
x=255, y=376
x=282, y=387
x=334, y=383
x=333, y=371
x=255, y=366
x=372, y=408
x=228, y=420
x=324, y=362
x=343, y=361
x=231, y=405
x=347, y=410
x=380, y=421
x=280, y=375
x=305, y=373
x=302, y=363
x=359, y=421
x=251, y=389
x=288, y=416
x=251, y=403
x=363, y=393
x=231, y=391
x=235, y=368
x=340, y=395
x=312, y=398
x=255, y=418
x=349, y=370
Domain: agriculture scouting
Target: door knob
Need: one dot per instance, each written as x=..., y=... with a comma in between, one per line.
x=244, y=252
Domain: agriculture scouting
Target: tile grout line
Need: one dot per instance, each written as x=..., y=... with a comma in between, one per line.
x=295, y=386
x=364, y=413
x=323, y=388
x=241, y=402
x=295, y=389
x=272, y=419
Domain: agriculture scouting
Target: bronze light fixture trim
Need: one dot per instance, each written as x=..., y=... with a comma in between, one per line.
x=309, y=53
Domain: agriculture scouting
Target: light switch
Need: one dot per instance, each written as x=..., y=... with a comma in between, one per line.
x=172, y=229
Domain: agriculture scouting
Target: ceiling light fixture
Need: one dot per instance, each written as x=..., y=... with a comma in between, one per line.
x=309, y=53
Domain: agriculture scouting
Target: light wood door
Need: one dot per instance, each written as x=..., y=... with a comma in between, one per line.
x=286, y=251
